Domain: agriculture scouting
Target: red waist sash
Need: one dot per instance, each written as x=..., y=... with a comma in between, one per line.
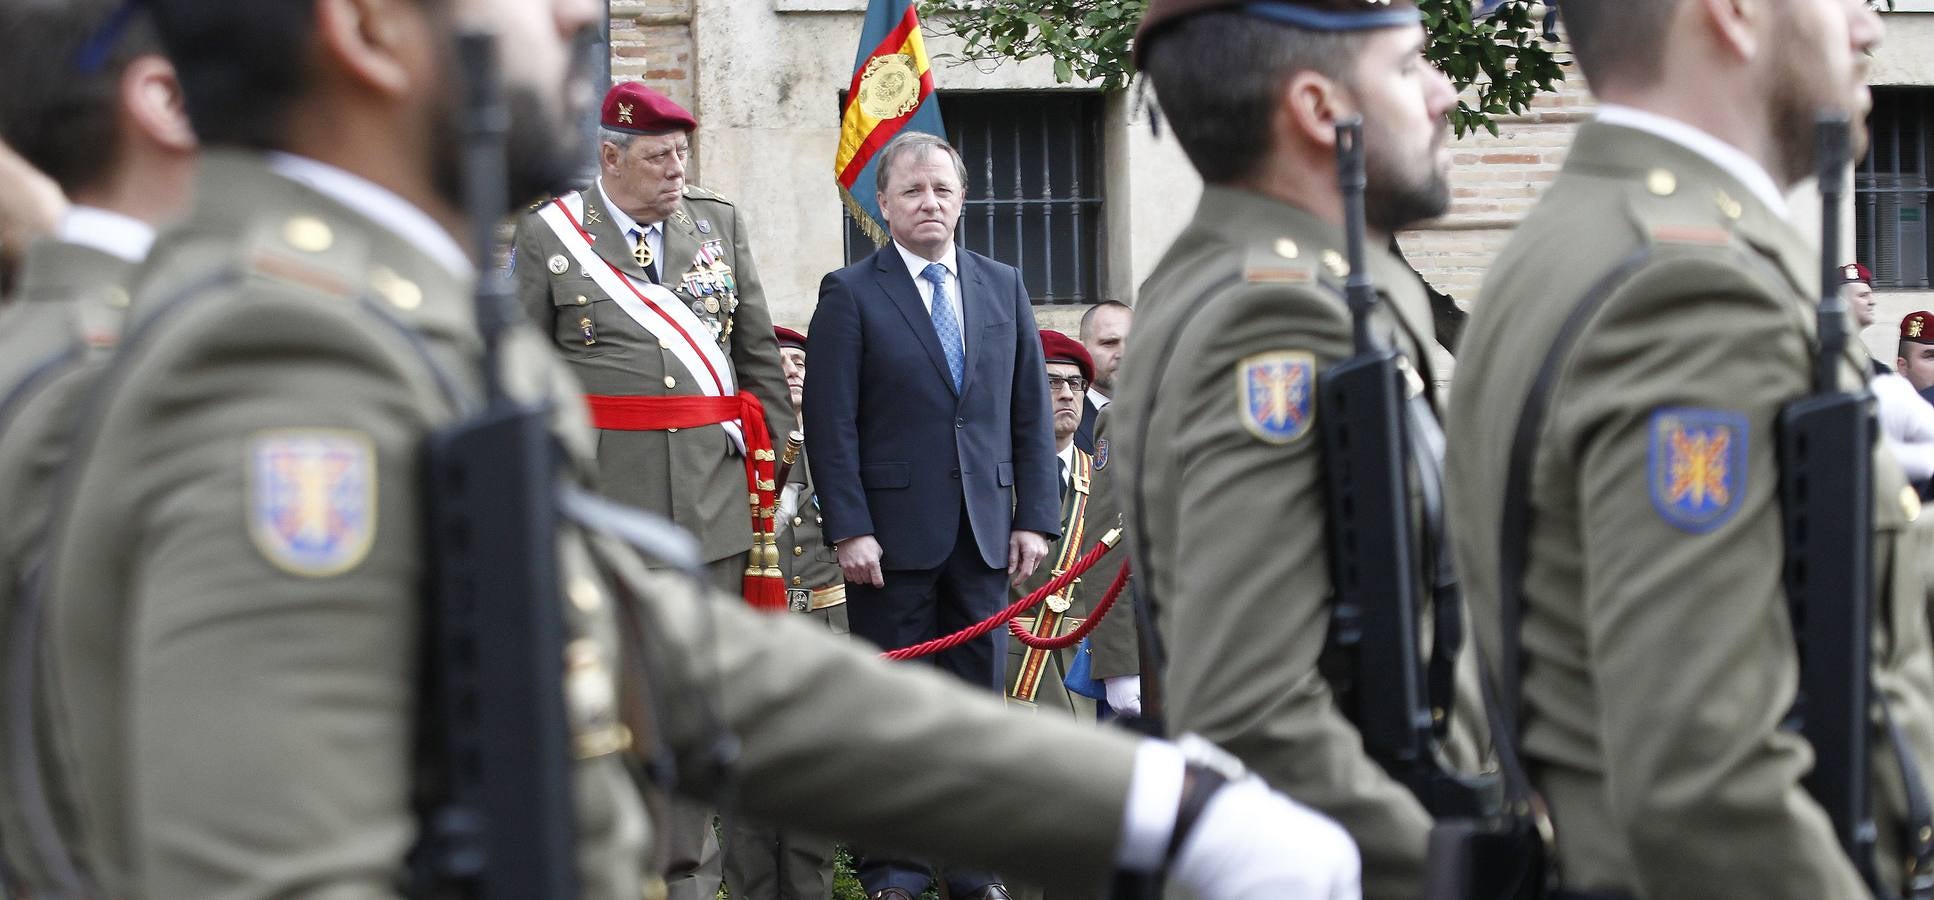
x=765, y=586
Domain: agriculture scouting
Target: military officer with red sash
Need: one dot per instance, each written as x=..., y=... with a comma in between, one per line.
x=646, y=285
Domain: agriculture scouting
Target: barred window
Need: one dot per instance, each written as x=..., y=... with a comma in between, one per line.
x=1034, y=187
x=1891, y=190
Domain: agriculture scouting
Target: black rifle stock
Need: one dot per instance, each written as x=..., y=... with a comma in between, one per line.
x=495, y=800
x=1376, y=661
x=1826, y=494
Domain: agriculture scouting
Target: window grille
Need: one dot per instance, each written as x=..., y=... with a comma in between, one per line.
x=1891, y=190
x=1034, y=188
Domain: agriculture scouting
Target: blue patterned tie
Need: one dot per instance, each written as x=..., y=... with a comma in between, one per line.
x=945, y=324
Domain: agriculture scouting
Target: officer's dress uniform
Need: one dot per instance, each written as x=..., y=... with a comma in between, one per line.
x=762, y=862
x=66, y=311
x=1036, y=678
x=1659, y=656
x=694, y=476
x=1221, y=471
x=235, y=596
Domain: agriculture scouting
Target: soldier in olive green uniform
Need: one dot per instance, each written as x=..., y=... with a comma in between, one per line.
x=619, y=345
x=1036, y=679
x=648, y=287
x=104, y=120
x=1214, y=431
x=1659, y=655
x=813, y=581
x=232, y=677
x=761, y=862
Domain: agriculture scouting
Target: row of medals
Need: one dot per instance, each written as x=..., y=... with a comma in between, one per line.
x=713, y=291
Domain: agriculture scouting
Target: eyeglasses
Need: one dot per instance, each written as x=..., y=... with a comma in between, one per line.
x=1076, y=384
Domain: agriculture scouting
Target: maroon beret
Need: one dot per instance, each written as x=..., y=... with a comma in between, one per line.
x=1918, y=327
x=633, y=108
x=1058, y=347
x=1309, y=15
x=1853, y=271
x=789, y=337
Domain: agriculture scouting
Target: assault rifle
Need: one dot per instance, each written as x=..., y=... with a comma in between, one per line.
x=1826, y=503
x=1373, y=659
x=495, y=800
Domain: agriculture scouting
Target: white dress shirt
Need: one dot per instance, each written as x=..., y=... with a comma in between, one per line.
x=1733, y=160
x=380, y=205
x=1067, y=463
x=1098, y=399
x=654, y=233
x=121, y=236
x=917, y=264
x=1907, y=420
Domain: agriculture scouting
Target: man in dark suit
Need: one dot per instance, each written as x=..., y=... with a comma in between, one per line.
x=1104, y=332
x=933, y=452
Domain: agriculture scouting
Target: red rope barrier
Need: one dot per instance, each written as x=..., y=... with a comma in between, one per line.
x=1082, y=565
x=1074, y=637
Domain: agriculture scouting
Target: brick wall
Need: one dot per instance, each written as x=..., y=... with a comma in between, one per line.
x=1494, y=182
x=652, y=40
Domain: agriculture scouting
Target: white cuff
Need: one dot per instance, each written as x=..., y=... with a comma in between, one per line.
x=1154, y=798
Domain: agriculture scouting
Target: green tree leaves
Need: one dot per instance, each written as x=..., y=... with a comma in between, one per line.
x=1503, y=60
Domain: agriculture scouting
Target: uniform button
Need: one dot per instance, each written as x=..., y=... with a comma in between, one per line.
x=960, y=423
x=797, y=581
x=585, y=595
x=671, y=382
x=581, y=300
x=953, y=473
x=797, y=521
x=799, y=551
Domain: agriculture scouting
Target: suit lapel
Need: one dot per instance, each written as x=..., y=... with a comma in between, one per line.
x=973, y=312
x=891, y=272
x=612, y=245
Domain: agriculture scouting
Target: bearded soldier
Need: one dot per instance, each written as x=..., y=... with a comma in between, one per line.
x=233, y=643
x=1215, y=430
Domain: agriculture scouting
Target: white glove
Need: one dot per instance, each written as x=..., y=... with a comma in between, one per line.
x=1252, y=843
x=1124, y=694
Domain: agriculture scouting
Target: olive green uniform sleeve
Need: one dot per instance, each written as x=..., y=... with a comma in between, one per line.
x=532, y=281
x=897, y=757
x=1704, y=783
x=271, y=700
x=1254, y=614
x=259, y=802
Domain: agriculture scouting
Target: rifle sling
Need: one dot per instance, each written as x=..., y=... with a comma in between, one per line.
x=1917, y=839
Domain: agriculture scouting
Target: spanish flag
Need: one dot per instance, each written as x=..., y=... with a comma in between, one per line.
x=892, y=90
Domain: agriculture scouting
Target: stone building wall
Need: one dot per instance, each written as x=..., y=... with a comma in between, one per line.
x=763, y=75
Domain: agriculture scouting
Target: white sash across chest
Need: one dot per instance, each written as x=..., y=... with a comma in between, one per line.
x=654, y=308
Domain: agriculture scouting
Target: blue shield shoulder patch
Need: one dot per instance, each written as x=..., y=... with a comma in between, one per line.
x=312, y=499
x=1696, y=466
x=1101, y=454
x=1276, y=393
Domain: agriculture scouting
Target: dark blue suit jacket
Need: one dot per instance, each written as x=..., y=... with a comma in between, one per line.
x=895, y=452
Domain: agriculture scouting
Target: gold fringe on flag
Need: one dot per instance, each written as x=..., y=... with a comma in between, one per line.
x=865, y=219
